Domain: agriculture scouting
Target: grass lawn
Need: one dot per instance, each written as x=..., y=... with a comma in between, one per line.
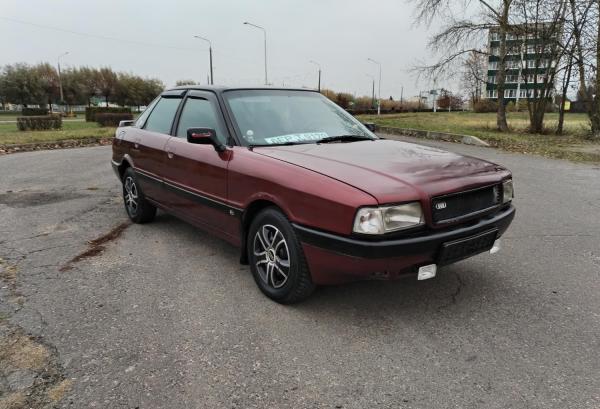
x=572, y=145
x=9, y=134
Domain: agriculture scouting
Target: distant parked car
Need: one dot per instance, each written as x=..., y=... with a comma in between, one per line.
x=308, y=193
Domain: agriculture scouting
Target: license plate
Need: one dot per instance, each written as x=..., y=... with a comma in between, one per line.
x=469, y=246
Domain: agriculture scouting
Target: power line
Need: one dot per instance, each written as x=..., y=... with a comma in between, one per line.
x=98, y=36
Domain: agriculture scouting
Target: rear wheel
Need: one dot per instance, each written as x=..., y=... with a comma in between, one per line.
x=276, y=258
x=138, y=208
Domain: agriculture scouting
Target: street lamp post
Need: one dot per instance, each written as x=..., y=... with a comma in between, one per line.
x=62, y=97
x=372, y=89
x=265, y=37
x=318, y=65
x=379, y=90
x=210, y=56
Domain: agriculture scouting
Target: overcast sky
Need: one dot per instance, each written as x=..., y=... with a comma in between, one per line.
x=339, y=34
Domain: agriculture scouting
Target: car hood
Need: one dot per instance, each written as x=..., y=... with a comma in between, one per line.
x=391, y=171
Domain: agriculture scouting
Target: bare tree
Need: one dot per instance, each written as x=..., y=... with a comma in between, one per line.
x=462, y=37
x=474, y=76
x=585, y=19
x=540, y=47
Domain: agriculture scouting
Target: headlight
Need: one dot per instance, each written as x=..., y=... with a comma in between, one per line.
x=380, y=220
x=508, y=192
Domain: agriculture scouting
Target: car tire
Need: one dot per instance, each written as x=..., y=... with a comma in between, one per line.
x=137, y=207
x=276, y=258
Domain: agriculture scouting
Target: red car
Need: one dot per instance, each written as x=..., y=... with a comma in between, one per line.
x=309, y=194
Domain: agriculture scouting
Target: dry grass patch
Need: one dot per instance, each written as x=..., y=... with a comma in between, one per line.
x=22, y=352
x=58, y=391
x=14, y=400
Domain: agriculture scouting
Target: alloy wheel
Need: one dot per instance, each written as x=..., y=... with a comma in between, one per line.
x=272, y=256
x=131, y=195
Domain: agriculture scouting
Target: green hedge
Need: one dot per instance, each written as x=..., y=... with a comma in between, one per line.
x=34, y=111
x=112, y=119
x=39, y=123
x=90, y=112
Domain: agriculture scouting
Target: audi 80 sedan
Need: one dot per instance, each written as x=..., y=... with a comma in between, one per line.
x=309, y=194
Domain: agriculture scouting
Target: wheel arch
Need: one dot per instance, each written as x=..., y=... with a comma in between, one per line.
x=126, y=163
x=254, y=208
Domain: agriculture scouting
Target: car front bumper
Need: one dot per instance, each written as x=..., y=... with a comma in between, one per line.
x=333, y=258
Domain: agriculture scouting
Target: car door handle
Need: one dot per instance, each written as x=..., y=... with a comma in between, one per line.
x=170, y=153
x=136, y=142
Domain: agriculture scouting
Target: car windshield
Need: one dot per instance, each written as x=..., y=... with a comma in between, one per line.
x=282, y=117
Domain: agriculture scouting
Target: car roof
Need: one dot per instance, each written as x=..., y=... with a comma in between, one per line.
x=222, y=88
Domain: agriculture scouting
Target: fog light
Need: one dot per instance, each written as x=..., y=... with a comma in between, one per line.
x=427, y=272
x=496, y=247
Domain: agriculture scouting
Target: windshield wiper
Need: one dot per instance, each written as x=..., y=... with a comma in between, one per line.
x=345, y=138
x=266, y=145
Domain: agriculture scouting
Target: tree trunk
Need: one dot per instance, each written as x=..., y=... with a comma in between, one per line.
x=595, y=105
x=537, y=117
x=501, y=122
x=563, y=99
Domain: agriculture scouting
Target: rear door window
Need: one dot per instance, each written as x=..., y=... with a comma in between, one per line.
x=161, y=117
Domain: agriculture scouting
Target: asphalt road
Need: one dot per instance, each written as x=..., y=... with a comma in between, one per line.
x=165, y=317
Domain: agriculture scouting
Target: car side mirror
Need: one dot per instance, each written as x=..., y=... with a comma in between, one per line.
x=370, y=126
x=205, y=136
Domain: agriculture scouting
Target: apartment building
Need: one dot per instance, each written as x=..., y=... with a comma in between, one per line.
x=528, y=61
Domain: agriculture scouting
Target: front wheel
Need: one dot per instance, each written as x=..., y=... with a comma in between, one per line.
x=138, y=208
x=276, y=258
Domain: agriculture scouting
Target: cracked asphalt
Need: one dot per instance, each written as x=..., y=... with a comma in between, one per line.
x=163, y=316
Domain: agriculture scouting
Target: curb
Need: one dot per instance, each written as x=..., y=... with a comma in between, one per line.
x=63, y=144
x=440, y=136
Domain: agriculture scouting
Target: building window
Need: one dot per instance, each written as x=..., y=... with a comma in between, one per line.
x=492, y=93
x=514, y=50
x=495, y=51
x=510, y=93
x=495, y=36
x=493, y=65
x=491, y=79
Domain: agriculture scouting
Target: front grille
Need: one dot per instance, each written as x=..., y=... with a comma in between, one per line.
x=456, y=206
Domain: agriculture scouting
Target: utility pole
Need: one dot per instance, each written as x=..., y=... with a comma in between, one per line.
x=379, y=91
x=265, y=38
x=62, y=97
x=209, y=56
x=318, y=65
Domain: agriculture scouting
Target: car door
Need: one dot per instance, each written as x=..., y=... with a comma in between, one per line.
x=149, y=142
x=198, y=173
